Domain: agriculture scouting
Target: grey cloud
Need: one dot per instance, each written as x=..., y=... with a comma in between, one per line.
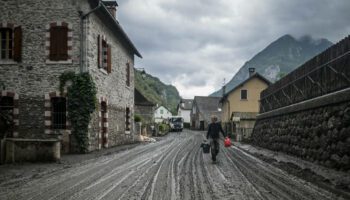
x=212, y=39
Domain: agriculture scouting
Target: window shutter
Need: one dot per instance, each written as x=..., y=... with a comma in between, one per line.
x=63, y=43
x=99, y=57
x=127, y=74
x=17, y=44
x=109, y=59
x=58, y=43
x=53, y=44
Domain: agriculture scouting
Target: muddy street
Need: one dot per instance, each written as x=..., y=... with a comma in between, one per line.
x=173, y=168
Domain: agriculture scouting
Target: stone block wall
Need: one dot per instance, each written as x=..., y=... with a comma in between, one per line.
x=317, y=131
x=111, y=87
x=35, y=77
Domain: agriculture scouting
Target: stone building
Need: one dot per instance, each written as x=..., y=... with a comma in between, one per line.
x=43, y=39
x=202, y=110
x=144, y=108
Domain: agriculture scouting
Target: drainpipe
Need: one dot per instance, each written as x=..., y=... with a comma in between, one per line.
x=82, y=35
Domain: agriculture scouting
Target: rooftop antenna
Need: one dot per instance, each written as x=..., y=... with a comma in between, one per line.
x=224, y=87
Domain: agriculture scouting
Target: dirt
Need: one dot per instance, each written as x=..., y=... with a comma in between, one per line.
x=171, y=168
x=337, y=182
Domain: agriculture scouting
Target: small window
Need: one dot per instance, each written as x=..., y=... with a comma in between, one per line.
x=127, y=119
x=59, y=43
x=127, y=74
x=244, y=94
x=58, y=111
x=161, y=111
x=104, y=55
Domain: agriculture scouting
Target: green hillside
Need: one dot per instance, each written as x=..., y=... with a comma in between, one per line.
x=156, y=91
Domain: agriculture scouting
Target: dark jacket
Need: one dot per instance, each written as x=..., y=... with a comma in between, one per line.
x=214, y=130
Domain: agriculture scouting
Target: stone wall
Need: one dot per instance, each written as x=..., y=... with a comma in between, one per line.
x=317, y=130
x=20, y=150
x=35, y=77
x=145, y=112
x=110, y=86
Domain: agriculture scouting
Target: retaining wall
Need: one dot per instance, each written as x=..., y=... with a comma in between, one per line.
x=317, y=130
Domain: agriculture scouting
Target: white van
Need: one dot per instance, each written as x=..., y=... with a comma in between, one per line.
x=176, y=123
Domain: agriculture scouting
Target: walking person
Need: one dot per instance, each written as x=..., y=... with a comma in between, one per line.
x=213, y=135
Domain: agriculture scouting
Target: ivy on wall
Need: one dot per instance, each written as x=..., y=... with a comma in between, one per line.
x=81, y=97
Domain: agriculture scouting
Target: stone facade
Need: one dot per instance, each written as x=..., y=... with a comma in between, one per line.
x=202, y=110
x=317, y=130
x=35, y=79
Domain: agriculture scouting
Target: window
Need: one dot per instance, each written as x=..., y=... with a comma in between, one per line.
x=6, y=43
x=10, y=43
x=127, y=119
x=59, y=118
x=161, y=111
x=58, y=43
x=127, y=74
x=104, y=56
x=244, y=94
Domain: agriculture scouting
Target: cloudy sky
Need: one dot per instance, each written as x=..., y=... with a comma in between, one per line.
x=195, y=44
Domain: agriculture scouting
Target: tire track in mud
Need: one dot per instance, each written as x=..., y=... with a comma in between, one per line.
x=90, y=177
x=63, y=181
x=271, y=182
x=173, y=168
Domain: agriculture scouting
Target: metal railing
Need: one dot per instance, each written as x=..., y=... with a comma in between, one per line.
x=325, y=73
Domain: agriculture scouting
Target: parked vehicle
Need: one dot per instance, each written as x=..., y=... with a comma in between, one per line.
x=176, y=123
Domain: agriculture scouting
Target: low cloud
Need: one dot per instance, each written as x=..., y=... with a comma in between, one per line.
x=195, y=45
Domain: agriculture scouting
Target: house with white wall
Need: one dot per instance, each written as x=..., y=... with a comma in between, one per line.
x=184, y=109
x=162, y=113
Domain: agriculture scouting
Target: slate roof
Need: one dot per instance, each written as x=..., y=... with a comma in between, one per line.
x=185, y=104
x=114, y=25
x=208, y=106
x=141, y=100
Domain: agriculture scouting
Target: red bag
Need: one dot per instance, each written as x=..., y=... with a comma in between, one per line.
x=227, y=142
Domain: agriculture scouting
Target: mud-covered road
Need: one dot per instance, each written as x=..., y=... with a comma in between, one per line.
x=173, y=168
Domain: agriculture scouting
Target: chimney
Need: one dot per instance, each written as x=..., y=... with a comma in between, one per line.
x=251, y=71
x=112, y=7
x=223, y=90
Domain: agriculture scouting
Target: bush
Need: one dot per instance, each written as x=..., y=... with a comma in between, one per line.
x=137, y=118
x=163, y=128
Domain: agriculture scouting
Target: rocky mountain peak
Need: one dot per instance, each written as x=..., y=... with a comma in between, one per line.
x=279, y=58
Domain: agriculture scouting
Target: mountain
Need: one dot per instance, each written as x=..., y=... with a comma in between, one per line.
x=279, y=58
x=156, y=91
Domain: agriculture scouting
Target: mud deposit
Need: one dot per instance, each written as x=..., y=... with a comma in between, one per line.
x=173, y=168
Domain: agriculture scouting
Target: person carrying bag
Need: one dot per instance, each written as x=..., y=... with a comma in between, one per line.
x=213, y=135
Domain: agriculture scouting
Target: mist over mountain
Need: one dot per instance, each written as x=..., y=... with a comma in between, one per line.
x=279, y=58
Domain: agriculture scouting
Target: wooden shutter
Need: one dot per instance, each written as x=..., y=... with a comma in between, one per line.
x=63, y=43
x=127, y=74
x=17, y=49
x=109, y=59
x=99, y=57
x=58, y=43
